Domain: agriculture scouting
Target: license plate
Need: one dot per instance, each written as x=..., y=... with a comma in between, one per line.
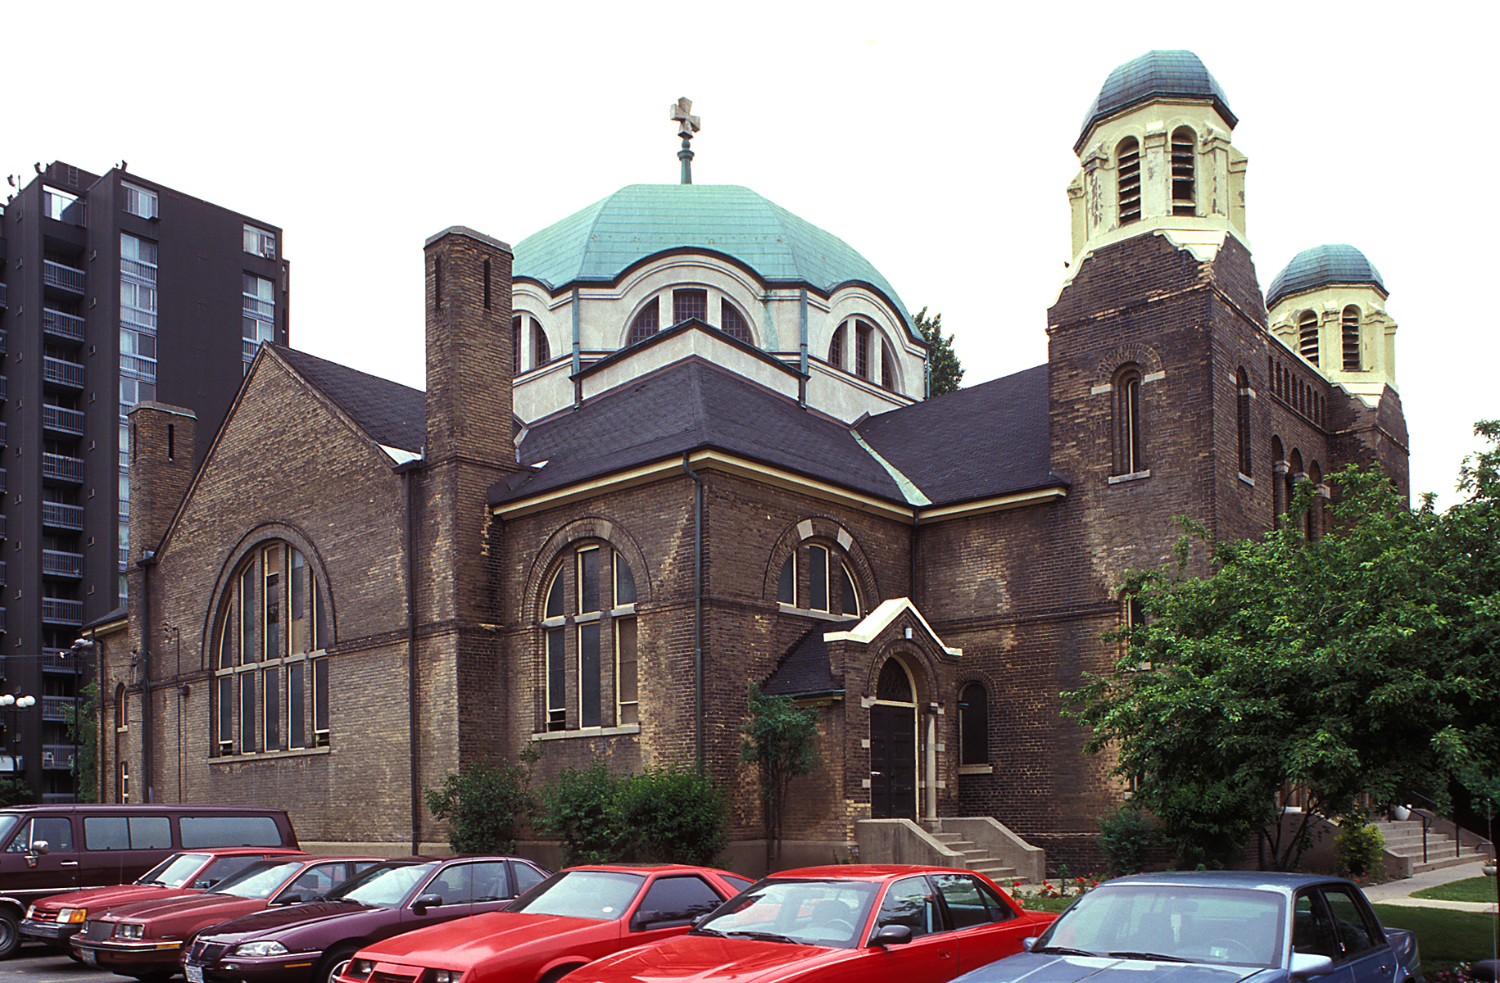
x=194, y=973
x=88, y=957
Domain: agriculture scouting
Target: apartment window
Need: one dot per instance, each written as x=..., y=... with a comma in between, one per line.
x=590, y=641
x=1307, y=336
x=260, y=314
x=139, y=201
x=1128, y=177
x=259, y=242
x=1129, y=431
x=829, y=588
x=271, y=678
x=1352, y=361
x=1184, y=200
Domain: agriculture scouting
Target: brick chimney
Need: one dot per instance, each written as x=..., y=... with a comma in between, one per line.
x=161, y=468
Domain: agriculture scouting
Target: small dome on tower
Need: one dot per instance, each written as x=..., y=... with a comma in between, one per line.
x=1156, y=74
x=1321, y=266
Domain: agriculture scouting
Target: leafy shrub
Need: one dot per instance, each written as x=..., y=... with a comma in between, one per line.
x=582, y=805
x=1360, y=848
x=15, y=792
x=484, y=804
x=663, y=814
x=1125, y=836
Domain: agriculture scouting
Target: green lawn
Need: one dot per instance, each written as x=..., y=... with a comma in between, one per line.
x=1471, y=889
x=1445, y=938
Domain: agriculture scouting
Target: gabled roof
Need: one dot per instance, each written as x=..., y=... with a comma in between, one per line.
x=389, y=413
x=805, y=669
x=989, y=439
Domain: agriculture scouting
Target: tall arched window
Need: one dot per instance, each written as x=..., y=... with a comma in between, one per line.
x=873, y=359
x=1307, y=336
x=1184, y=156
x=271, y=676
x=829, y=586
x=589, y=629
x=1130, y=455
x=646, y=323
x=732, y=322
x=973, y=724
x=1242, y=420
x=1128, y=155
x=515, y=345
x=836, y=348
x=1278, y=485
x=541, y=351
x=1352, y=361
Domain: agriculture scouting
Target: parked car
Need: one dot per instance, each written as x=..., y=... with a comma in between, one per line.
x=842, y=924
x=144, y=939
x=56, y=919
x=312, y=942
x=573, y=917
x=1208, y=926
x=53, y=849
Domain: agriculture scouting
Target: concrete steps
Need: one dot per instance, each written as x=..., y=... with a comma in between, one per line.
x=975, y=858
x=1404, y=838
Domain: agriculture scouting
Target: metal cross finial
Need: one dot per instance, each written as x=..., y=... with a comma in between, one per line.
x=687, y=125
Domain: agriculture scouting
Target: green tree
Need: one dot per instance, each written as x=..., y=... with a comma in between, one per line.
x=944, y=373
x=15, y=792
x=83, y=731
x=781, y=739
x=485, y=804
x=1365, y=662
x=582, y=805
x=668, y=815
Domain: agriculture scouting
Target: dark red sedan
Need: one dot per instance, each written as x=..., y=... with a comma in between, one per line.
x=144, y=939
x=310, y=943
x=574, y=917
x=56, y=919
x=847, y=924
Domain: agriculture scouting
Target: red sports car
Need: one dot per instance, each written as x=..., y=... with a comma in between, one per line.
x=855, y=924
x=143, y=939
x=573, y=917
x=56, y=919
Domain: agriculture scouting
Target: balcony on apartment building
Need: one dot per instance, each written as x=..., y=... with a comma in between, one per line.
x=62, y=611
x=61, y=325
x=58, y=563
x=56, y=515
x=60, y=276
x=61, y=372
x=62, y=467
x=57, y=757
x=60, y=419
x=59, y=708
x=63, y=661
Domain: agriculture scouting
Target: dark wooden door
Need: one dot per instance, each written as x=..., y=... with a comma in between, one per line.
x=893, y=762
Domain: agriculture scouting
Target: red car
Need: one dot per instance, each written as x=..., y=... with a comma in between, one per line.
x=573, y=917
x=854, y=924
x=143, y=939
x=56, y=919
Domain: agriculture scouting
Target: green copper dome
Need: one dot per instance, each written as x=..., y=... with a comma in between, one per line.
x=1156, y=74
x=1321, y=266
x=608, y=238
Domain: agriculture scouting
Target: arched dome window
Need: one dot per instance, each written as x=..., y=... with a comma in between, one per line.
x=541, y=351
x=836, y=348
x=1128, y=155
x=589, y=647
x=271, y=674
x=1184, y=158
x=690, y=303
x=873, y=358
x=732, y=322
x=646, y=323
x=1352, y=360
x=1307, y=336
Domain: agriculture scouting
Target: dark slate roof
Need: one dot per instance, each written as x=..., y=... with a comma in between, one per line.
x=1321, y=266
x=989, y=439
x=388, y=412
x=687, y=406
x=1154, y=75
x=805, y=668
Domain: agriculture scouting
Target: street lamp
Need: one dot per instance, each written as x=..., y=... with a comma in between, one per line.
x=13, y=703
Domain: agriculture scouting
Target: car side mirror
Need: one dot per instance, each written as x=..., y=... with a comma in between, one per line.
x=1306, y=964
x=292, y=898
x=1026, y=944
x=40, y=847
x=892, y=935
x=426, y=901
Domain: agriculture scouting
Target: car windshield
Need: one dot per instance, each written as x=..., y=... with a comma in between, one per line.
x=1173, y=922
x=601, y=894
x=175, y=870
x=8, y=823
x=258, y=880
x=809, y=912
x=382, y=886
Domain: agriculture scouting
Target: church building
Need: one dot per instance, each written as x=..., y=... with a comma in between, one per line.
x=678, y=443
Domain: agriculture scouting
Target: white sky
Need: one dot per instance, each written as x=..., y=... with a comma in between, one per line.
x=936, y=138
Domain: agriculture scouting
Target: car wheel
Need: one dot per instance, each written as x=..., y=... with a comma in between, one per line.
x=335, y=962
x=557, y=974
x=10, y=933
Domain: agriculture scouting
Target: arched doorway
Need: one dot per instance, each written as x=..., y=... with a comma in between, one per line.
x=893, y=745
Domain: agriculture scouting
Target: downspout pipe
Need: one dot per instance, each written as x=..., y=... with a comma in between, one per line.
x=411, y=468
x=697, y=609
x=802, y=327
x=147, y=564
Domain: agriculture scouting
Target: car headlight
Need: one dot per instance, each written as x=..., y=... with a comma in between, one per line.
x=72, y=916
x=31, y=911
x=129, y=930
x=447, y=975
x=360, y=969
x=266, y=948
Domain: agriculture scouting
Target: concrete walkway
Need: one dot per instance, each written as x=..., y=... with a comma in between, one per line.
x=1399, y=892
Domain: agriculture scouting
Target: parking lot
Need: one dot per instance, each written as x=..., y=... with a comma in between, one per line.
x=38, y=965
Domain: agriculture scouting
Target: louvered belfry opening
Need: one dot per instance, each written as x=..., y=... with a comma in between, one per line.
x=1130, y=181
x=1307, y=336
x=1184, y=189
x=1351, y=339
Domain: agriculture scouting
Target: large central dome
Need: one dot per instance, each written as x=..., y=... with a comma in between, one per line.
x=606, y=239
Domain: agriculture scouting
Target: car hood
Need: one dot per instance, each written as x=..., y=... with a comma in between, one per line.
x=271, y=921
x=706, y=959
x=120, y=894
x=1039, y=968
x=461, y=943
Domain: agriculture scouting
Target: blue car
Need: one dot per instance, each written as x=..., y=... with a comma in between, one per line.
x=1215, y=927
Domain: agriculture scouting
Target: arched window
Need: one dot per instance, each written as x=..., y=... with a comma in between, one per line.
x=122, y=712
x=894, y=684
x=1184, y=188
x=973, y=724
x=829, y=587
x=271, y=676
x=1314, y=521
x=1278, y=485
x=515, y=345
x=1307, y=336
x=541, y=351
x=646, y=323
x=1242, y=420
x=732, y=322
x=1128, y=155
x=836, y=348
x=589, y=630
x=1129, y=430
x=1293, y=475
x=1352, y=361
x=873, y=359
x=689, y=303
